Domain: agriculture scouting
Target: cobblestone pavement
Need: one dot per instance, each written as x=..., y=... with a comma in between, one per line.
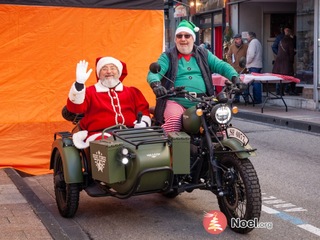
x=17, y=217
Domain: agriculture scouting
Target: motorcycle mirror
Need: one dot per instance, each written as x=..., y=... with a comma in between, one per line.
x=242, y=62
x=155, y=67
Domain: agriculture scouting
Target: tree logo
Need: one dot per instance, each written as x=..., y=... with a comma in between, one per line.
x=214, y=222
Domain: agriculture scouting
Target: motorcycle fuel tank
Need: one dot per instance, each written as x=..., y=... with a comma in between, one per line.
x=190, y=121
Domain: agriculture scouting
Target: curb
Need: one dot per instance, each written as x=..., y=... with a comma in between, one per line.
x=283, y=122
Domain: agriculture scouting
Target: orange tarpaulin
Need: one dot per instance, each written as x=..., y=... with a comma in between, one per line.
x=39, y=49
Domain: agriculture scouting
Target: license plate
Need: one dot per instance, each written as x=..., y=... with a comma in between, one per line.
x=238, y=134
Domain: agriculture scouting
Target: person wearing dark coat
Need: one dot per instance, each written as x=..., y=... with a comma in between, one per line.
x=276, y=42
x=285, y=59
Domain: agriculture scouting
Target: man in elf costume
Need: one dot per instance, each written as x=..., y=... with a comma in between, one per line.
x=186, y=65
x=106, y=103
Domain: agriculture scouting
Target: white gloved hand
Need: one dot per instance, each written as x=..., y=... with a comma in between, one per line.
x=78, y=139
x=81, y=72
x=140, y=124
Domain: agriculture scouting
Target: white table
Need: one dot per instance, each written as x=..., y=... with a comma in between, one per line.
x=269, y=78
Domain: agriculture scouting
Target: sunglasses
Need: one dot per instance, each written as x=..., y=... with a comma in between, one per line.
x=186, y=36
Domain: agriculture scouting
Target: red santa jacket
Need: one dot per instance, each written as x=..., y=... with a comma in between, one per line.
x=104, y=107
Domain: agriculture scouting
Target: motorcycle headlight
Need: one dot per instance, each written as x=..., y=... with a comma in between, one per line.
x=221, y=114
x=124, y=160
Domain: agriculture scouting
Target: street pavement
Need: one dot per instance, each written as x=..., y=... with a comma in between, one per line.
x=24, y=216
x=18, y=219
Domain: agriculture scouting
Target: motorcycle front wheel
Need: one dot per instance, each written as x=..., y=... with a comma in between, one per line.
x=242, y=203
x=67, y=195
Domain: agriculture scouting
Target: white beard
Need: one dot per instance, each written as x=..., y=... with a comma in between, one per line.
x=110, y=83
x=185, y=49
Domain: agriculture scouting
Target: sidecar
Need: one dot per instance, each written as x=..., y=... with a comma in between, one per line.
x=133, y=161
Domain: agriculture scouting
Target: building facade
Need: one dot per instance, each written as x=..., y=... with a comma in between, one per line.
x=219, y=20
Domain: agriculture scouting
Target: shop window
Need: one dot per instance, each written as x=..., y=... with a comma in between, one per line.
x=305, y=40
x=206, y=5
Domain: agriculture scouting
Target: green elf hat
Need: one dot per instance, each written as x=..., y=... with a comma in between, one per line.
x=189, y=27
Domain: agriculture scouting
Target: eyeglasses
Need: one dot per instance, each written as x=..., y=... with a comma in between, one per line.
x=186, y=36
x=111, y=68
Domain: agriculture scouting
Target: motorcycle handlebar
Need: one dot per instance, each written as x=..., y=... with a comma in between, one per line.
x=175, y=92
x=229, y=88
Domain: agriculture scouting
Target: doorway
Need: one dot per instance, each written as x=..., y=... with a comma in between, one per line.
x=272, y=25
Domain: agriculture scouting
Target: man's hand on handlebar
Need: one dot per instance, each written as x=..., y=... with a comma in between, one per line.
x=235, y=80
x=158, y=89
x=240, y=86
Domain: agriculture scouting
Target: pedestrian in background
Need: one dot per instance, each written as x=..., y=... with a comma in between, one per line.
x=254, y=64
x=276, y=42
x=205, y=45
x=237, y=50
x=284, y=61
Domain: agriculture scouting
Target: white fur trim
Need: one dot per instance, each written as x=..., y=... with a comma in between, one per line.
x=186, y=29
x=75, y=96
x=107, y=60
x=146, y=119
x=78, y=139
x=119, y=87
x=93, y=137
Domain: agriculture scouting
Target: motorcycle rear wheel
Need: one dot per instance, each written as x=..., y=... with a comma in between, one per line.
x=67, y=195
x=244, y=199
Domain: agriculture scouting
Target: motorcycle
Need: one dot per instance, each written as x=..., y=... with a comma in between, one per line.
x=208, y=154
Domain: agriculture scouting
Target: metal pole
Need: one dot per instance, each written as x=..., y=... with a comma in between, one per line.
x=316, y=55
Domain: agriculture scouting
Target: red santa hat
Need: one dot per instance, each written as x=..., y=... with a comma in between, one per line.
x=102, y=61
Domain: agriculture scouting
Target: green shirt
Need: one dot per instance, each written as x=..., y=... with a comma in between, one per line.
x=189, y=74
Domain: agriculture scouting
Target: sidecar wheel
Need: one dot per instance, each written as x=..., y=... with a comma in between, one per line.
x=244, y=199
x=67, y=195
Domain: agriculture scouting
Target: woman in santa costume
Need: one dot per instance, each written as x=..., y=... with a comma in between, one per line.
x=106, y=103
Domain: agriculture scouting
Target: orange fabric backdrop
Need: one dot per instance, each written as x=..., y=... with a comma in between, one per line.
x=39, y=49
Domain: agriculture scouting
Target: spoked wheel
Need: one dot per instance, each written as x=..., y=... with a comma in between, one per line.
x=243, y=201
x=67, y=195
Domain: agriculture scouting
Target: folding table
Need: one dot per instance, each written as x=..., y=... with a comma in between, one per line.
x=269, y=78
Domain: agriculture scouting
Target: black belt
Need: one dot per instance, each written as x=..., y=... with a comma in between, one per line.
x=194, y=94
